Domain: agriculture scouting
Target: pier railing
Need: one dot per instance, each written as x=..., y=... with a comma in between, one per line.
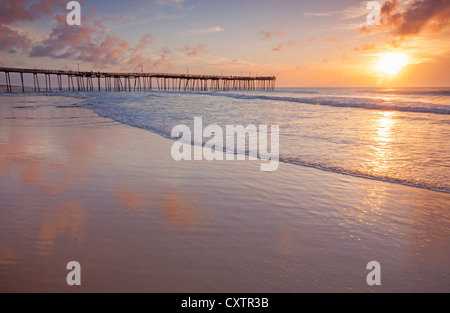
x=103, y=81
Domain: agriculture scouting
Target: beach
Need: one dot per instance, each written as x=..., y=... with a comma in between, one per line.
x=75, y=186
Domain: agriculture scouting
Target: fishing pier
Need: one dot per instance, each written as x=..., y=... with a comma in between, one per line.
x=102, y=81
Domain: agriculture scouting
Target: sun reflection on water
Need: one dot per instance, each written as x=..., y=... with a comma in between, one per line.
x=385, y=125
x=383, y=139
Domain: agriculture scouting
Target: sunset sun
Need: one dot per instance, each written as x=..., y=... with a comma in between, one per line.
x=391, y=63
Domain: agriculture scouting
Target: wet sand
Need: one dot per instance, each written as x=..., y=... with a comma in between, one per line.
x=78, y=187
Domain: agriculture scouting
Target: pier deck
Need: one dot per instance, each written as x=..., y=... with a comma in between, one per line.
x=103, y=81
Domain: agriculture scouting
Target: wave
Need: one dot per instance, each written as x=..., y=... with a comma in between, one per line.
x=349, y=102
x=122, y=117
x=443, y=92
x=413, y=91
x=134, y=115
x=356, y=173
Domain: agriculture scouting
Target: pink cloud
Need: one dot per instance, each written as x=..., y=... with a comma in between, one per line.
x=90, y=43
x=165, y=49
x=16, y=10
x=13, y=11
x=10, y=40
x=418, y=16
x=28, y=10
x=312, y=39
x=332, y=39
x=163, y=61
x=366, y=47
x=194, y=51
x=278, y=48
x=86, y=42
x=147, y=63
x=144, y=42
x=267, y=35
x=279, y=32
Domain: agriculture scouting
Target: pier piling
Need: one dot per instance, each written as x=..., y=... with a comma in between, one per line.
x=141, y=81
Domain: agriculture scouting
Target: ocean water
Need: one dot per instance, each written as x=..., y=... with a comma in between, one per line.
x=396, y=135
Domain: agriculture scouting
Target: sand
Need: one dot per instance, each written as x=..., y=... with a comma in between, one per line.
x=78, y=187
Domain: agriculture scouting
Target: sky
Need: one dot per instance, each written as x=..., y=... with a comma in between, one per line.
x=322, y=43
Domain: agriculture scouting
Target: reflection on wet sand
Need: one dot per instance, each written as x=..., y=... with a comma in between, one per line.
x=36, y=158
x=132, y=200
x=49, y=161
x=372, y=206
x=8, y=256
x=429, y=234
x=69, y=218
x=286, y=242
x=177, y=215
x=176, y=212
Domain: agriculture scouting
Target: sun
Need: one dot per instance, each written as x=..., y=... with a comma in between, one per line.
x=390, y=63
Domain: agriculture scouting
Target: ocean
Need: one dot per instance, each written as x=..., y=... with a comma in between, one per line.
x=395, y=135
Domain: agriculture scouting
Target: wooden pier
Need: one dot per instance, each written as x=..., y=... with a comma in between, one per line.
x=100, y=81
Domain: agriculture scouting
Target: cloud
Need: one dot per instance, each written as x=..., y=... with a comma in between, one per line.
x=26, y=10
x=208, y=30
x=194, y=51
x=10, y=40
x=281, y=46
x=332, y=39
x=278, y=48
x=141, y=61
x=165, y=49
x=312, y=39
x=86, y=42
x=172, y=3
x=366, y=47
x=321, y=14
x=279, y=32
x=143, y=43
x=355, y=11
x=267, y=35
x=90, y=43
x=14, y=11
x=413, y=19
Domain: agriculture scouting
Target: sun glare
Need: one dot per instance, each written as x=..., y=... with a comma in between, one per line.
x=391, y=63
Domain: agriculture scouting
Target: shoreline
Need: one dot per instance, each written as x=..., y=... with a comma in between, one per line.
x=109, y=196
x=337, y=170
